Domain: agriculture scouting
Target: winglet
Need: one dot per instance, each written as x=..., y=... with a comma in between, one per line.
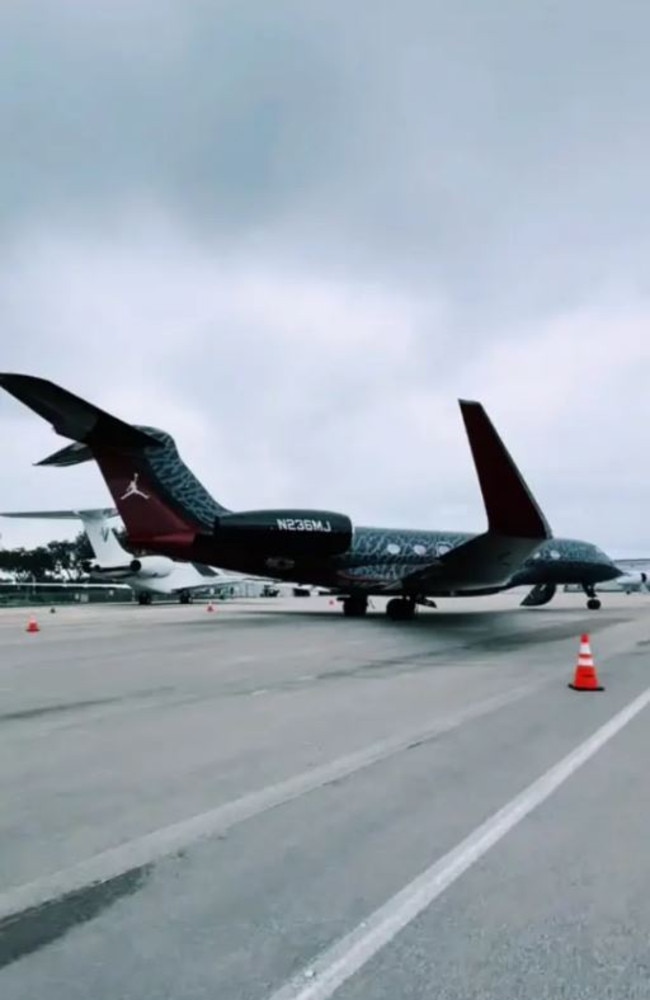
x=73, y=417
x=509, y=504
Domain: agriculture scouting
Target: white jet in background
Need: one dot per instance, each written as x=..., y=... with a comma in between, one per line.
x=146, y=575
x=636, y=575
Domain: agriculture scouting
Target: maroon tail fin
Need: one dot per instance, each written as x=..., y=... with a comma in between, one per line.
x=128, y=476
x=156, y=494
x=146, y=514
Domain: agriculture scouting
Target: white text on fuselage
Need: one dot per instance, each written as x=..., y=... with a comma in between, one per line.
x=302, y=524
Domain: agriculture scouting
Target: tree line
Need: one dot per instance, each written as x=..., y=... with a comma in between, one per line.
x=58, y=560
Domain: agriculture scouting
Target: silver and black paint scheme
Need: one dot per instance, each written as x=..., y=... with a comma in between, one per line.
x=167, y=510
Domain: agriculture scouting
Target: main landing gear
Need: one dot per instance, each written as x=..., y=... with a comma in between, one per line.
x=185, y=597
x=400, y=609
x=355, y=607
x=593, y=603
x=144, y=598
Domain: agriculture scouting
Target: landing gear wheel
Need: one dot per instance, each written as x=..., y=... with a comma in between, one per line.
x=185, y=598
x=594, y=604
x=355, y=607
x=144, y=599
x=400, y=610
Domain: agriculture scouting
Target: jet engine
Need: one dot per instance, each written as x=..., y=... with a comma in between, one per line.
x=145, y=568
x=298, y=534
x=152, y=567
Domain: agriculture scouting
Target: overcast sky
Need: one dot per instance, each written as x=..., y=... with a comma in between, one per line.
x=293, y=233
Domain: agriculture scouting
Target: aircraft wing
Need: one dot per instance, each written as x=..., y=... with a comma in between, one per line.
x=211, y=578
x=516, y=524
x=217, y=584
x=483, y=563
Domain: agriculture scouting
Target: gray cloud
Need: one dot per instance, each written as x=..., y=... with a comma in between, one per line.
x=293, y=233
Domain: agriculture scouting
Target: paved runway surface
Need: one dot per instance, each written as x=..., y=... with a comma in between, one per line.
x=273, y=802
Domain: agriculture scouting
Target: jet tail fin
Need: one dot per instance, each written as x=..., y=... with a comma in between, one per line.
x=510, y=506
x=154, y=491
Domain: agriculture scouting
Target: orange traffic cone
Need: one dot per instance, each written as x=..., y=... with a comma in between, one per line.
x=585, y=678
x=32, y=625
x=210, y=607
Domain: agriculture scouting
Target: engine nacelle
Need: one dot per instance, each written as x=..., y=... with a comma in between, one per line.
x=151, y=567
x=297, y=534
x=97, y=572
x=145, y=568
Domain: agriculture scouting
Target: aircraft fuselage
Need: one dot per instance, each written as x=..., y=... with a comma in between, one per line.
x=378, y=558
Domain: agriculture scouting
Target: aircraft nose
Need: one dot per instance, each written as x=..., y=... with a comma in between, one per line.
x=606, y=566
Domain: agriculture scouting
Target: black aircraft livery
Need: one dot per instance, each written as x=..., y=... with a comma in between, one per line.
x=167, y=511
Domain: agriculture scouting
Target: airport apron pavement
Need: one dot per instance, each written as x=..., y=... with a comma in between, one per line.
x=272, y=801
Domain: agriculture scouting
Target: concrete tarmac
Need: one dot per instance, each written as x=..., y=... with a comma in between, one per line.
x=229, y=804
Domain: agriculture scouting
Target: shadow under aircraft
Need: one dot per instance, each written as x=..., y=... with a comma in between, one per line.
x=167, y=511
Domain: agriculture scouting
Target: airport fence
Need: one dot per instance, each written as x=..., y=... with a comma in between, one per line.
x=21, y=594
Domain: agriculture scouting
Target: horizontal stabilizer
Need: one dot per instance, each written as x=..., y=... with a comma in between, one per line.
x=73, y=417
x=72, y=454
x=509, y=504
x=93, y=514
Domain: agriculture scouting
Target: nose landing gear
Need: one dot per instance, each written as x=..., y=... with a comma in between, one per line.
x=593, y=603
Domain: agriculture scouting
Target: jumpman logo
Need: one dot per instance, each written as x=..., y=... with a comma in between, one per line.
x=133, y=489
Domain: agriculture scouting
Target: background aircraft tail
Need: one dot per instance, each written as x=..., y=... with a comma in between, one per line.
x=105, y=545
x=103, y=540
x=154, y=491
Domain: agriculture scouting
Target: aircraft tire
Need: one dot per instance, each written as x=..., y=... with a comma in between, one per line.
x=400, y=610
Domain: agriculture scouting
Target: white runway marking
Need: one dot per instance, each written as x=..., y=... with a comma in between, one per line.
x=160, y=843
x=334, y=967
